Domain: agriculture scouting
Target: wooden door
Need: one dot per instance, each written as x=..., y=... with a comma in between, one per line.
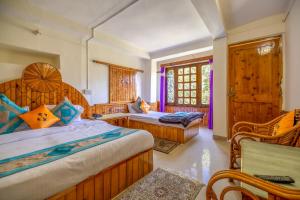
x=255, y=73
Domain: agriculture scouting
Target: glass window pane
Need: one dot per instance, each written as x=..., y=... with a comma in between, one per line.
x=180, y=86
x=180, y=100
x=180, y=93
x=193, y=70
x=186, y=78
x=193, y=86
x=193, y=93
x=180, y=78
x=170, y=86
x=193, y=101
x=186, y=86
x=205, y=71
x=186, y=100
x=186, y=70
x=193, y=77
x=180, y=71
x=186, y=93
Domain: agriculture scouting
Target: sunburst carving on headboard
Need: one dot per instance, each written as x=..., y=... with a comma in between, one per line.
x=42, y=77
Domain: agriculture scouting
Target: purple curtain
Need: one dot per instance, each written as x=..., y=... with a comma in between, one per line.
x=162, y=89
x=211, y=106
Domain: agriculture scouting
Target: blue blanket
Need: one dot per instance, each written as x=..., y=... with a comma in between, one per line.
x=184, y=118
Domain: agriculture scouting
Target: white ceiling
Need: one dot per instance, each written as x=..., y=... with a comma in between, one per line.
x=84, y=12
x=151, y=25
x=157, y=24
x=240, y=12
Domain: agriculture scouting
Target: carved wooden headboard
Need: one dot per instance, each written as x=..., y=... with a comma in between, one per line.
x=41, y=84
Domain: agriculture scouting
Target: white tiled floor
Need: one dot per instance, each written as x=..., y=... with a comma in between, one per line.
x=200, y=158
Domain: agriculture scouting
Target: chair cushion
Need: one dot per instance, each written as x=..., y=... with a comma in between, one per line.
x=145, y=107
x=9, y=111
x=66, y=111
x=40, y=117
x=286, y=123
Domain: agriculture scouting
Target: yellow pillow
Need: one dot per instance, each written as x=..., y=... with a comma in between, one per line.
x=286, y=123
x=145, y=107
x=40, y=117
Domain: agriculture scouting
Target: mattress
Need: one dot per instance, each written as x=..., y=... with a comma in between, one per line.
x=152, y=118
x=58, y=175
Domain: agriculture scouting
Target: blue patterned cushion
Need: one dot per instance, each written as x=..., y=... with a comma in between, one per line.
x=66, y=112
x=137, y=105
x=9, y=111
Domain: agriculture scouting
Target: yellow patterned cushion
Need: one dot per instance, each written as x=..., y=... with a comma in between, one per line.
x=286, y=123
x=145, y=107
x=40, y=117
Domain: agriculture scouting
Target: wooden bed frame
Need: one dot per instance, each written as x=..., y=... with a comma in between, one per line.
x=107, y=183
x=167, y=132
x=111, y=181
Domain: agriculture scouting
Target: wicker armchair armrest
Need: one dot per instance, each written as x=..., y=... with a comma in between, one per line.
x=264, y=129
x=274, y=190
x=289, y=136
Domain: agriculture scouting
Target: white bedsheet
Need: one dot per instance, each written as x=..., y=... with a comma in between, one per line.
x=46, y=180
x=152, y=118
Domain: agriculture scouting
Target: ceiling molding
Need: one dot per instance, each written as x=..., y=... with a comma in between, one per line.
x=182, y=48
x=288, y=10
x=211, y=15
x=114, y=11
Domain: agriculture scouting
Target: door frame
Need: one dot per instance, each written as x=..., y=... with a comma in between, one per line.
x=241, y=43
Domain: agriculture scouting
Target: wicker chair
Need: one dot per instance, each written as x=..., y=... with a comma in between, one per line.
x=261, y=133
x=274, y=191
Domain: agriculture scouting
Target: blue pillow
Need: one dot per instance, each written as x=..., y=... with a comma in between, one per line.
x=9, y=111
x=137, y=105
x=66, y=112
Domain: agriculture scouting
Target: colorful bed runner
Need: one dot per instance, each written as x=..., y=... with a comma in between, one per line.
x=20, y=163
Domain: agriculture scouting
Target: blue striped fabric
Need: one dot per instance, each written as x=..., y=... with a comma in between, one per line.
x=9, y=111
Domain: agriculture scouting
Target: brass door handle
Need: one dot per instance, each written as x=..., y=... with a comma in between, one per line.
x=231, y=93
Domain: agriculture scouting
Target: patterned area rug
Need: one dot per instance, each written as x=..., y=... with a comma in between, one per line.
x=162, y=185
x=165, y=146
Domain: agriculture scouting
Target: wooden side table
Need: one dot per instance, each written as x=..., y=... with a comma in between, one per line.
x=270, y=159
x=116, y=119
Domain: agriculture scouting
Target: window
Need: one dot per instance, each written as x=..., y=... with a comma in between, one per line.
x=188, y=85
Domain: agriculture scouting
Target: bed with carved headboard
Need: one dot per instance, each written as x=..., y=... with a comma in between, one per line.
x=112, y=166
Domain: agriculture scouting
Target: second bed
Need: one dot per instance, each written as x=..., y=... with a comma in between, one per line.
x=173, y=132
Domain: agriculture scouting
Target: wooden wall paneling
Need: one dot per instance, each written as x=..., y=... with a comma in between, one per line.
x=153, y=106
x=111, y=181
x=122, y=86
x=22, y=95
x=115, y=108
